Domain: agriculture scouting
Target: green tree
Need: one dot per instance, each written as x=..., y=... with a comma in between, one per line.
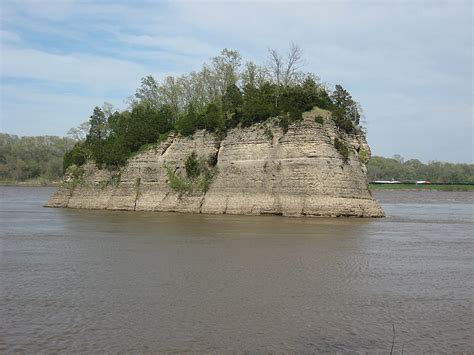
x=343, y=100
x=232, y=102
x=148, y=92
x=98, y=126
x=259, y=104
x=186, y=124
x=78, y=155
x=213, y=118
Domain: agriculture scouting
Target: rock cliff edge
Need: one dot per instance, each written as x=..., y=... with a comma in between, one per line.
x=258, y=170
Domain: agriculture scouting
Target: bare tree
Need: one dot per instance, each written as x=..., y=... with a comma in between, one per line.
x=170, y=93
x=80, y=132
x=293, y=63
x=285, y=71
x=275, y=66
x=253, y=75
x=108, y=109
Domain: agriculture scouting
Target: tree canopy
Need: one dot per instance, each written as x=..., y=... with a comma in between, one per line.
x=396, y=168
x=224, y=94
x=32, y=158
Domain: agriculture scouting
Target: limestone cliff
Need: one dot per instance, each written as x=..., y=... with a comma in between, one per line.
x=260, y=170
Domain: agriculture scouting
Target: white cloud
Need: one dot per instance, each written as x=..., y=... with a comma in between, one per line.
x=26, y=111
x=185, y=45
x=409, y=63
x=87, y=70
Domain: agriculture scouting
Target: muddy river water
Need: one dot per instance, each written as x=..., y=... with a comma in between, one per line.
x=102, y=281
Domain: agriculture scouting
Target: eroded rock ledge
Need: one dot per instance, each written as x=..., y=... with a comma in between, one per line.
x=261, y=170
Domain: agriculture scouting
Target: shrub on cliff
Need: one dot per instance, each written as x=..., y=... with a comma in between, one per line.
x=342, y=121
x=193, y=168
x=200, y=173
x=341, y=148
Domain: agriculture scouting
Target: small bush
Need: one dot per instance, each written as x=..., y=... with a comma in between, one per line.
x=199, y=174
x=268, y=133
x=115, y=179
x=319, y=119
x=296, y=115
x=284, y=123
x=212, y=160
x=206, y=180
x=76, y=172
x=144, y=148
x=177, y=182
x=363, y=156
x=341, y=148
x=162, y=137
x=193, y=167
x=76, y=176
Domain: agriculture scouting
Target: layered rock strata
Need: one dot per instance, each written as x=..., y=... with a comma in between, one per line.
x=260, y=170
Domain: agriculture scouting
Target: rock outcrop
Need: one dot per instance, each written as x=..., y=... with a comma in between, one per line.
x=260, y=170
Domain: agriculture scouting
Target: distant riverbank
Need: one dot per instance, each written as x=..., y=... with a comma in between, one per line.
x=437, y=187
x=30, y=183
x=434, y=187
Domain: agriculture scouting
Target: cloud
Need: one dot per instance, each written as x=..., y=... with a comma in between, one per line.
x=9, y=37
x=91, y=72
x=184, y=45
x=409, y=63
x=27, y=110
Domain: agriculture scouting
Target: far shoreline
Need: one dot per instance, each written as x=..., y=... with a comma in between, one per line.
x=421, y=187
x=372, y=186
x=31, y=183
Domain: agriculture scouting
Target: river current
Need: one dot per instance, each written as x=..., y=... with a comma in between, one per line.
x=104, y=281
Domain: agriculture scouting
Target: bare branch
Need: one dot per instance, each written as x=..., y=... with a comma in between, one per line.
x=293, y=64
x=276, y=65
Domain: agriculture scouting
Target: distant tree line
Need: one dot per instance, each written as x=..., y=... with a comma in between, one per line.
x=224, y=94
x=397, y=168
x=40, y=158
x=32, y=158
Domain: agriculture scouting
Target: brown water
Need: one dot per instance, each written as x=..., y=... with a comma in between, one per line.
x=101, y=281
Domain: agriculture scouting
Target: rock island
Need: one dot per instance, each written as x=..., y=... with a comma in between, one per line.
x=257, y=145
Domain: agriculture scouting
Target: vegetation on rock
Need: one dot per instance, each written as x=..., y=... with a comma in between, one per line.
x=193, y=166
x=199, y=173
x=225, y=94
x=341, y=148
x=75, y=176
x=319, y=119
x=364, y=156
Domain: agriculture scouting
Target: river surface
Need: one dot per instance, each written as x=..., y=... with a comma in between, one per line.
x=102, y=281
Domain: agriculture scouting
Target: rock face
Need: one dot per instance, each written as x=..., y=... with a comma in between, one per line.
x=260, y=170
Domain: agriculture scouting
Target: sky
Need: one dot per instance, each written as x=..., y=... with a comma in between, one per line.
x=409, y=63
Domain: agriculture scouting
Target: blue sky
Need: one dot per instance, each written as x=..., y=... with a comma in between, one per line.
x=409, y=63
